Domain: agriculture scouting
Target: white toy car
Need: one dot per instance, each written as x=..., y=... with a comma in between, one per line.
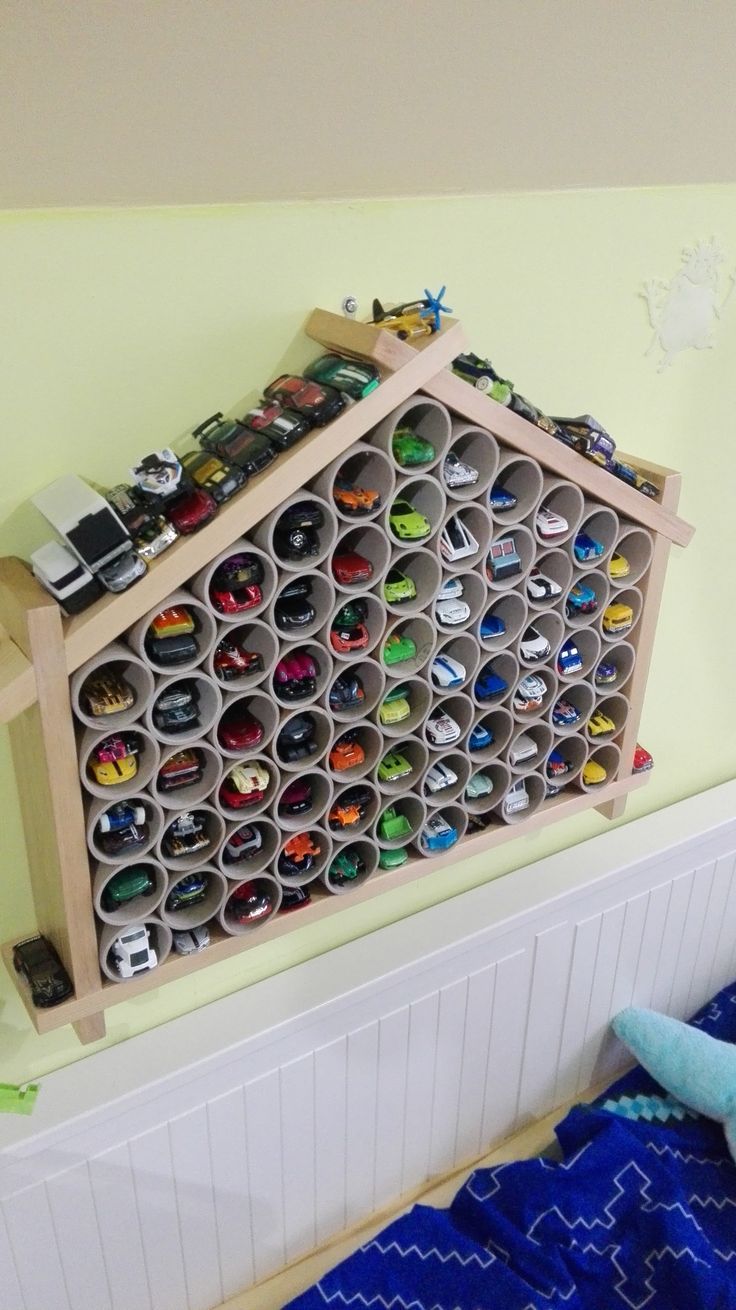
x=529, y=694
x=549, y=524
x=132, y=952
x=451, y=589
x=447, y=672
x=456, y=540
x=441, y=728
x=457, y=473
x=480, y=785
x=192, y=940
x=439, y=777
x=516, y=799
x=533, y=645
x=158, y=474
x=540, y=587
x=90, y=526
x=62, y=575
x=451, y=612
x=437, y=834
x=523, y=748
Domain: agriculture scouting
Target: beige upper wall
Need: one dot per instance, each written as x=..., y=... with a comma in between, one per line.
x=126, y=102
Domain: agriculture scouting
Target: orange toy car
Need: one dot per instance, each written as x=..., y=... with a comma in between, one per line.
x=173, y=622
x=346, y=753
x=298, y=855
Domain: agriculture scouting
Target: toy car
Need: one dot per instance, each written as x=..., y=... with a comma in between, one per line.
x=114, y=760
x=282, y=427
x=132, y=952
x=346, y=693
x=354, y=500
x=355, y=378
x=296, y=532
x=318, y=404
x=481, y=373
x=439, y=776
x=618, y=566
x=186, y=835
x=235, y=600
x=91, y=529
x=350, y=808
x=393, y=825
x=398, y=588
x=159, y=476
x=296, y=798
x=351, y=568
x=456, y=473
x=580, y=599
x=190, y=941
x=346, y=753
x=250, y=903
x=244, y=843
x=533, y=646
x=106, y=692
x=173, y=622
x=503, y=560
x=37, y=960
x=479, y=785
x=189, y=891
x=345, y=867
x=64, y=577
x=451, y=612
x=557, y=766
x=437, y=834
x=407, y=523
x=410, y=450
x=210, y=473
x=446, y=671
x=593, y=773
x=170, y=652
x=192, y=510
x=586, y=435
x=489, y=685
x=296, y=741
x=295, y=676
x=347, y=630
x=231, y=660
x=244, y=785
x=529, y=694
x=522, y=748
x=564, y=713
x=456, y=540
x=395, y=706
x=293, y=609
x=441, y=728
x=393, y=766
x=121, y=829
x=600, y=725
x=413, y=318
x=585, y=547
x=540, y=587
x=182, y=769
x=617, y=617
x=294, y=898
x=392, y=859
x=480, y=737
x=151, y=532
x=500, y=498
x=549, y=524
x=239, y=730
x=123, y=572
x=568, y=659
x=397, y=648
x=176, y=708
x=628, y=474
x=606, y=672
x=515, y=800
x=236, y=443
x=642, y=760
x=239, y=570
x=298, y=855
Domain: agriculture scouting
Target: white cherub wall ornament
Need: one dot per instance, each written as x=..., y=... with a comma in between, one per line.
x=683, y=312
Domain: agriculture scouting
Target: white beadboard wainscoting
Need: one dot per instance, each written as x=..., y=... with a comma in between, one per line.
x=182, y=1166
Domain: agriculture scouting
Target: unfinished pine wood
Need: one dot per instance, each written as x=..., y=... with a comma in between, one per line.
x=17, y=679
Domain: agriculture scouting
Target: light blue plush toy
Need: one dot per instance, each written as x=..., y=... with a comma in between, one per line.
x=695, y=1068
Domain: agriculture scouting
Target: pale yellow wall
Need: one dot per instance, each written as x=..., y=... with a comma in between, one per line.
x=123, y=329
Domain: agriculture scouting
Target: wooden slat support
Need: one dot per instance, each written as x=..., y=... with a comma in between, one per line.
x=17, y=679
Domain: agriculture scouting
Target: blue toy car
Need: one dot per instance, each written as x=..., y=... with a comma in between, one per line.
x=568, y=660
x=479, y=738
x=488, y=685
x=491, y=626
x=606, y=672
x=581, y=599
x=564, y=713
x=499, y=497
x=585, y=547
x=437, y=834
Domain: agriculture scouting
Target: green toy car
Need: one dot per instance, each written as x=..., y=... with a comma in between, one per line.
x=398, y=588
x=410, y=450
x=345, y=867
x=392, y=825
x=479, y=785
x=395, y=706
x=126, y=885
x=393, y=766
x=407, y=523
x=393, y=859
x=352, y=377
x=398, y=648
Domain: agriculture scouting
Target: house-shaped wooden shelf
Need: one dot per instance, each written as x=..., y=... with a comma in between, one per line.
x=44, y=659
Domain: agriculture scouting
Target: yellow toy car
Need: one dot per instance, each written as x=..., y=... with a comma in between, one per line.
x=106, y=692
x=593, y=774
x=617, y=617
x=600, y=725
x=395, y=706
x=618, y=566
x=114, y=760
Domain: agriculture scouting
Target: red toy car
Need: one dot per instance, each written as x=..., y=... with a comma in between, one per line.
x=295, y=676
x=236, y=600
x=239, y=730
x=191, y=510
x=181, y=770
x=316, y=403
x=231, y=660
x=351, y=568
x=296, y=798
x=244, y=785
x=250, y=903
x=642, y=760
x=281, y=426
x=348, y=631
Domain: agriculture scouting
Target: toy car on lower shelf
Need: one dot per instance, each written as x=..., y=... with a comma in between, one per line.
x=568, y=659
x=189, y=891
x=437, y=834
x=439, y=776
x=480, y=738
x=489, y=685
x=36, y=959
x=529, y=694
x=393, y=825
x=250, y=903
x=135, y=880
x=540, y=587
x=642, y=760
x=114, y=760
x=441, y=729
x=298, y=855
x=293, y=609
x=186, y=835
x=239, y=730
x=176, y=708
x=515, y=800
x=132, y=952
x=617, y=617
x=398, y=648
x=410, y=450
x=350, y=569
x=190, y=941
x=346, y=867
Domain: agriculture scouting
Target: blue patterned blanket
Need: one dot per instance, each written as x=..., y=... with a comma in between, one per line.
x=640, y=1212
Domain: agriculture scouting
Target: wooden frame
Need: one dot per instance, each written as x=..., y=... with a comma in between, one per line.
x=38, y=652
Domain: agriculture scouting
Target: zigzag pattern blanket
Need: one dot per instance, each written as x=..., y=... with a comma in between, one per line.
x=640, y=1212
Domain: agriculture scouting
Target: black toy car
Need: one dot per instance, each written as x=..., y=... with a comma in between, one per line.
x=281, y=426
x=347, y=692
x=234, y=442
x=318, y=404
x=172, y=651
x=293, y=609
x=176, y=710
x=293, y=898
x=213, y=474
x=296, y=739
x=295, y=535
x=42, y=969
